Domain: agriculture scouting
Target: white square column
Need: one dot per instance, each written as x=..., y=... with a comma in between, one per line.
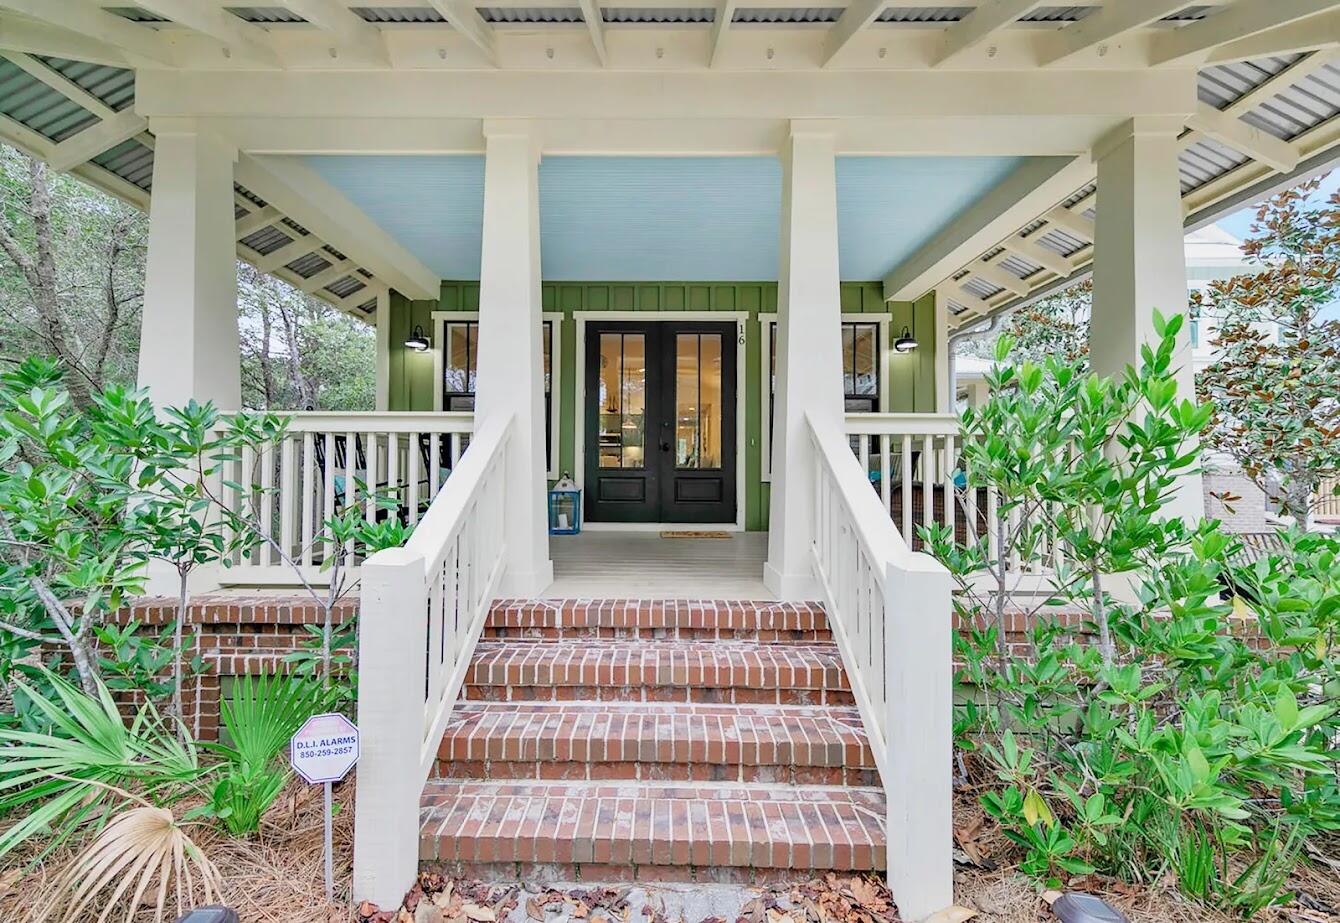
x=809, y=353
x=188, y=339
x=511, y=356
x=1140, y=261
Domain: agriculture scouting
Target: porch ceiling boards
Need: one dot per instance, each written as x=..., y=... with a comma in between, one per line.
x=1268, y=86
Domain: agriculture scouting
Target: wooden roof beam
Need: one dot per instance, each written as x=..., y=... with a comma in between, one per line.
x=989, y=18
x=91, y=21
x=351, y=31
x=1193, y=43
x=1113, y=20
x=855, y=18
x=465, y=19
x=236, y=35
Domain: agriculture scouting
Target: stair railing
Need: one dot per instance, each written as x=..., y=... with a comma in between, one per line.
x=889, y=610
x=422, y=611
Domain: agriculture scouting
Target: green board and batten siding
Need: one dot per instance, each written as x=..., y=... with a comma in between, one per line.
x=912, y=377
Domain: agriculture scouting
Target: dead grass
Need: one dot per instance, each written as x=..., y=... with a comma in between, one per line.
x=274, y=877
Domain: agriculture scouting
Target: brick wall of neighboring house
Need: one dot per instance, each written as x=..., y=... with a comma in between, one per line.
x=237, y=636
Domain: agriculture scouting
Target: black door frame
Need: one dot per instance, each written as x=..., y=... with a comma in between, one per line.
x=661, y=480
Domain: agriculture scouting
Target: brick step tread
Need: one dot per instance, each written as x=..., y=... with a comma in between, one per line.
x=646, y=619
x=641, y=824
x=704, y=671
x=656, y=742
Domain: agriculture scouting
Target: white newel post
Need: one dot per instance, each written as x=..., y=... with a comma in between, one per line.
x=809, y=352
x=510, y=350
x=188, y=330
x=920, y=737
x=393, y=634
x=1140, y=260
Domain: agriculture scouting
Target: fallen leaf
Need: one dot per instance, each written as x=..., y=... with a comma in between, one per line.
x=534, y=909
x=955, y=914
x=482, y=914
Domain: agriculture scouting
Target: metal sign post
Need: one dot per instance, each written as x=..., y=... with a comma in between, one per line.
x=323, y=751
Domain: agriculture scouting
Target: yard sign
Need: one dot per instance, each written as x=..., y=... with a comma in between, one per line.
x=325, y=748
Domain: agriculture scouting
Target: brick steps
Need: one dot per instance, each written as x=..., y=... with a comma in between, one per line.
x=656, y=742
x=656, y=620
x=674, y=671
x=673, y=740
x=591, y=832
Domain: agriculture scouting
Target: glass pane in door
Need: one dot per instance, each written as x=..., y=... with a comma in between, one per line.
x=698, y=397
x=623, y=387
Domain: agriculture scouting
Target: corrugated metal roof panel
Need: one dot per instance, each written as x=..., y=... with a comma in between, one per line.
x=1058, y=14
x=250, y=196
x=1301, y=107
x=264, y=14
x=309, y=265
x=346, y=286
x=1205, y=160
x=773, y=15
x=531, y=14
x=1019, y=266
x=398, y=13
x=131, y=161
x=664, y=14
x=29, y=101
x=136, y=14
x=267, y=240
x=113, y=86
x=1224, y=84
x=981, y=288
x=1054, y=238
x=925, y=14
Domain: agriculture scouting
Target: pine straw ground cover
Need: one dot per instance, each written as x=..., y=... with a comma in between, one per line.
x=276, y=877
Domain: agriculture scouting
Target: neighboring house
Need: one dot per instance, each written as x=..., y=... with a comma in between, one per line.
x=687, y=255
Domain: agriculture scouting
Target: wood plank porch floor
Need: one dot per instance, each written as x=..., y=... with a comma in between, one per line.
x=638, y=565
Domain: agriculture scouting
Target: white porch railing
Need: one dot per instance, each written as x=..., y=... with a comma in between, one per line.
x=1328, y=501
x=889, y=609
x=328, y=460
x=423, y=609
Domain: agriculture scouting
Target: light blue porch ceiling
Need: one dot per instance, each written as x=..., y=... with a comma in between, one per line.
x=663, y=218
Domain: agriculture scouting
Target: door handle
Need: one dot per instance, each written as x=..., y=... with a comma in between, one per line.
x=665, y=446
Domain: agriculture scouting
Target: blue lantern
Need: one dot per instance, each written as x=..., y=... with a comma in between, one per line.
x=565, y=507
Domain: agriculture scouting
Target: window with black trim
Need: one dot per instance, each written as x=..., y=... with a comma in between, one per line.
x=860, y=368
x=459, y=362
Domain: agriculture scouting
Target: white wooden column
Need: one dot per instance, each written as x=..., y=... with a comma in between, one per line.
x=510, y=366
x=188, y=330
x=945, y=385
x=383, y=379
x=1140, y=260
x=809, y=351
x=188, y=339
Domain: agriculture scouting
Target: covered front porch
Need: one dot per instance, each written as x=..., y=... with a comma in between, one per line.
x=686, y=264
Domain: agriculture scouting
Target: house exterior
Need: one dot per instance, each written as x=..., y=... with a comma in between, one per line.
x=681, y=253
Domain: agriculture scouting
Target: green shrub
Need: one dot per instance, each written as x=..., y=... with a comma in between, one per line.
x=1174, y=746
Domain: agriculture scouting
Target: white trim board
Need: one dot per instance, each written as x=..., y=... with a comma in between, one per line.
x=440, y=321
x=579, y=409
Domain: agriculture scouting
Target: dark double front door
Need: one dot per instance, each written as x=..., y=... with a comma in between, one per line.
x=660, y=422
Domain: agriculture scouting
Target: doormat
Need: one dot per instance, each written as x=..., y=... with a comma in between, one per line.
x=712, y=534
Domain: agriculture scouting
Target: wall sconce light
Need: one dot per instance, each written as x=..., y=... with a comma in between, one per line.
x=418, y=341
x=905, y=342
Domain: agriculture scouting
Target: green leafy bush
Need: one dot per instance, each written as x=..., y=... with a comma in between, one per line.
x=1197, y=737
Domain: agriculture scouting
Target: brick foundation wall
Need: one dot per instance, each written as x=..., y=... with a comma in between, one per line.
x=236, y=636
x=250, y=635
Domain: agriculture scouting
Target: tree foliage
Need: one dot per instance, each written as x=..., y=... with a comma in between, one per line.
x=1275, y=379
